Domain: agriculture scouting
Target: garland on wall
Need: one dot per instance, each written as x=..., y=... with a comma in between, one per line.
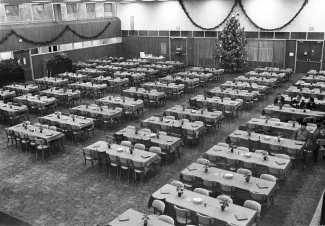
x=65, y=29
x=245, y=13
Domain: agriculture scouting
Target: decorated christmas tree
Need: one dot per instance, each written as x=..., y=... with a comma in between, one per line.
x=231, y=53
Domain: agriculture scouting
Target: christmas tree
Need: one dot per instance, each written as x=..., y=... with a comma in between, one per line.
x=231, y=53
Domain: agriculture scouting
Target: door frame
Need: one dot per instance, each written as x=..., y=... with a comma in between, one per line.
x=170, y=48
x=297, y=43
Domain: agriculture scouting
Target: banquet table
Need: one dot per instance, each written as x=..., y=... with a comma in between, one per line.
x=134, y=218
x=163, y=86
x=139, y=61
x=314, y=72
x=212, y=209
x=237, y=94
x=292, y=90
x=58, y=93
x=138, y=155
x=283, y=127
x=204, y=101
x=6, y=94
x=310, y=85
x=22, y=88
x=116, y=82
x=46, y=134
x=12, y=109
x=214, y=71
x=201, y=76
x=287, y=99
x=206, y=116
x=84, y=65
x=125, y=64
x=313, y=78
x=153, y=59
x=35, y=100
x=237, y=180
x=272, y=69
x=67, y=120
x=52, y=81
x=132, y=92
x=155, y=122
x=147, y=71
x=73, y=76
x=265, y=75
x=188, y=81
x=99, y=62
x=109, y=68
x=284, y=165
x=91, y=72
x=126, y=103
x=244, y=85
x=89, y=86
x=296, y=113
x=172, y=142
x=91, y=110
x=266, y=141
x=260, y=81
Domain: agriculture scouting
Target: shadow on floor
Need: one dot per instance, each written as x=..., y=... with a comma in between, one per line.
x=7, y=220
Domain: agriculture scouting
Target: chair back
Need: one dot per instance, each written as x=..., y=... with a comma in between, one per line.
x=204, y=220
x=166, y=219
x=203, y=161
x=268, y=177
x=140, y=146
x=244, y=171
x=250, y=204
x=126, y=143
x=39, y=142
x=284, y=156
x=156, y=150
x=183, y=214
x=223, y=144
x=201, y=191
x=243, y=149
x=158, y=206
x=177, y=183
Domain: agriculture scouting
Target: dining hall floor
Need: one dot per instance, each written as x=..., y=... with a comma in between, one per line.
x=62, y=191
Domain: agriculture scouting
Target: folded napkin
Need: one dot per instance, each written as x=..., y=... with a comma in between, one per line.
x=280, y=162
x=170, y=141
x=240, y=217
x=50, y=134
x=96, y=146
x=164, y=191
x=261, y=185
x=191, y=168
x=123, y=217
x=194, y=126
x=298, y=143
x=237, y=133
x=145, y=156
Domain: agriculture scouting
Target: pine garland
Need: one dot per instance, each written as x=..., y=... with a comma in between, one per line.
x=64, y=30
x=246, y=15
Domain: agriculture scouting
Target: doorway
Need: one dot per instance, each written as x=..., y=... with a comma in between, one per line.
x=178, y=50
x=309, y=56
x=23, y=57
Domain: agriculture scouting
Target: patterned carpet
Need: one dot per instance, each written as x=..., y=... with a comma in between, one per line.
x=62, y=191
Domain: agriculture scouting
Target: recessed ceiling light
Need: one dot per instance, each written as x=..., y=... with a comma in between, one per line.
x=41, y=1
x=98, y=0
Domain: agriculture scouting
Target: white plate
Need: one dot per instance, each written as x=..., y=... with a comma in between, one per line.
x=267, y=137
x=228, y=175
x=247, y=155
x=278, y=123
x=197, y=200
x=120, y=149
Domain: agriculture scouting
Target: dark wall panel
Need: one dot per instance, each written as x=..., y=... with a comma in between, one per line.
x=153, y=33
x=298, y=35
x=290, y=48
x=315, y=35
x=281, y=35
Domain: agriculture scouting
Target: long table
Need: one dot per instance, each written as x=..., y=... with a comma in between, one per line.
x=244, y=85
x=281, y=164
x=106, y=112
x=51, y=81
x=144, y=157
x=6, y=94
x=165, y=140
x=22, y=88
x=35, y=100
x=58, y=93
x=234, y=93
x=47, y=135
x=283, y=127
x=261, y=81
x=203, y=101
x=265, y=75
x=296, y=113
x=169, y=123
x=305, y=91
x=201, y=76
x=126, y=103
x=188, y=81
x=243, y=138
x=134, y=218
x=73, y=76
x=67, y=120
x=89, y=86
x=205, y=116
x=163, y=86
x=168, y=194
x=143, y=93
x=12, y=109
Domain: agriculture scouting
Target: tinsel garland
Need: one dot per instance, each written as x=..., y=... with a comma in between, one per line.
x=245, y=13
x=65, y=29
x=196, y=25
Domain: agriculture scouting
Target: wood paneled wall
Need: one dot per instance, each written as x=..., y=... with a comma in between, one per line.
x=204, y=50
x=39, y=61
x=133, y=45
x=49, y=30
x=290, y=48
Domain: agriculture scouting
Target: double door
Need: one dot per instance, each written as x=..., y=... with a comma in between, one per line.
x=309, y=56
